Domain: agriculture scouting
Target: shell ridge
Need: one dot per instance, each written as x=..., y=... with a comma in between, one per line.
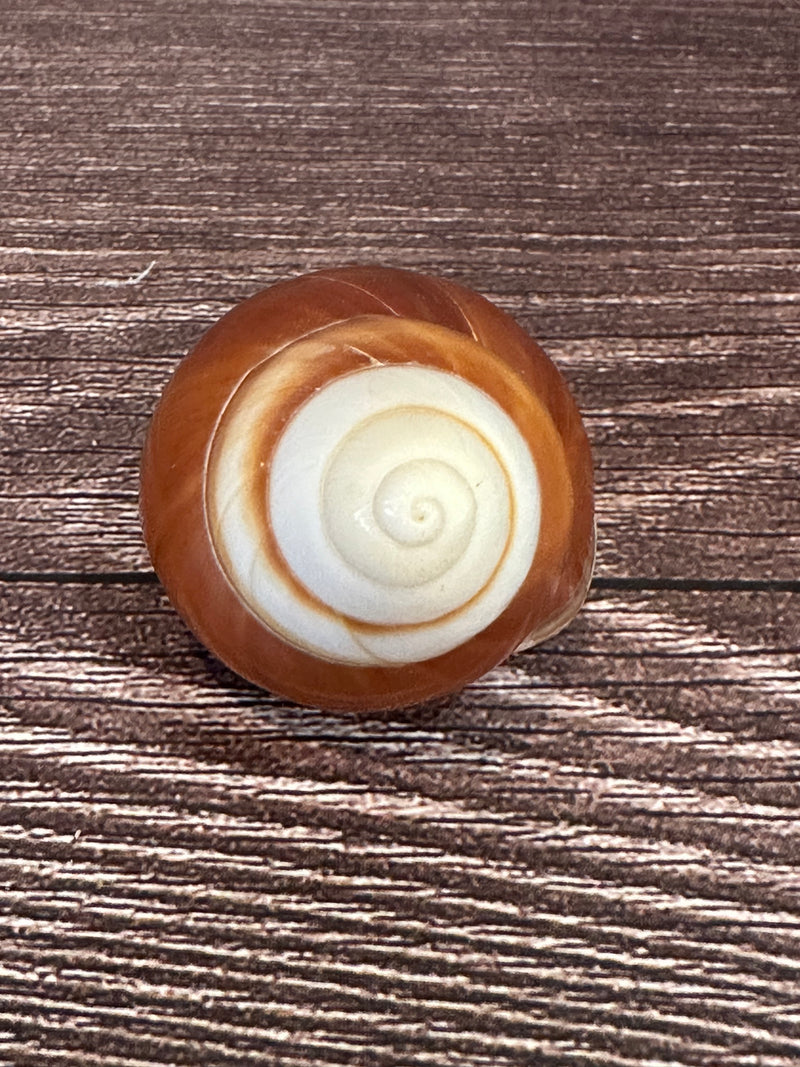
x=360, y=289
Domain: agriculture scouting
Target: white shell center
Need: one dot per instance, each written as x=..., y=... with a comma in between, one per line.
x=402, y=497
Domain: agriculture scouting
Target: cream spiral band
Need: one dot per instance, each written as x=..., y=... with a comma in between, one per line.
x=402, y=498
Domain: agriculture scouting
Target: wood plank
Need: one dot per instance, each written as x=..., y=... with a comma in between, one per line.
x=588, y=857
x=689, y=676
x=649, y=239
x=695, y=445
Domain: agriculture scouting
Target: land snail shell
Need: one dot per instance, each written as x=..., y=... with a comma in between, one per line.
x=365, y=488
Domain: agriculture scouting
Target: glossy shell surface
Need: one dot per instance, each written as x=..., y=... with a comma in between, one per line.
x=366, y=487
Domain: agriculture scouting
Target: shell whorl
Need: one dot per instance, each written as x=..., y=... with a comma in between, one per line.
x=367, y=493
x=402, y=503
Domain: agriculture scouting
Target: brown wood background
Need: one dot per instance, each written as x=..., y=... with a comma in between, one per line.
x=589, y=858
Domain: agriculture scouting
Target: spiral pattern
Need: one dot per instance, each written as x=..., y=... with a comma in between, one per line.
x=365, y=487
x=404, y=505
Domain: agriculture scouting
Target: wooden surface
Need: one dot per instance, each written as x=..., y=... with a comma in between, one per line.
x=591, y=857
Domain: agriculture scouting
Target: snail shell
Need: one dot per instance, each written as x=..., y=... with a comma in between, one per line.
x=365, y=488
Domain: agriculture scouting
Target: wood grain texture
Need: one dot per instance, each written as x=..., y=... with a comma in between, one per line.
x=590, y=857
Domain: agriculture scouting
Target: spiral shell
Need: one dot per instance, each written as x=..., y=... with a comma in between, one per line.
x=366, y=487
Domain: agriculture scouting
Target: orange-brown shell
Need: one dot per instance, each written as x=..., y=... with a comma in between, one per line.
x=182, y=430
